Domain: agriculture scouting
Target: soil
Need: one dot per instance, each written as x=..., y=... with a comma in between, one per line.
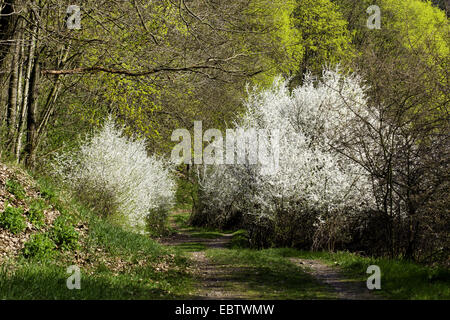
x=346, y=289
x=217, y=282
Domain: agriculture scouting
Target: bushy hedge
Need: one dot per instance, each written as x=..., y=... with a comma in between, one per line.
x=354, y=173
x=115, y=175
x=314, y=185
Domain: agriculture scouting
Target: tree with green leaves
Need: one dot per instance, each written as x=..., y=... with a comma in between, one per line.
x=156, y=65
x=323, y=35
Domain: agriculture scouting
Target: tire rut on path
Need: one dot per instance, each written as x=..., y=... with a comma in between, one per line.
x=346, y=289
x=213, y=281
x=218, y=281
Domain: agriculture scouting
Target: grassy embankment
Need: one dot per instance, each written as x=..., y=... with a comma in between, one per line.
x=119, y=264
x=115, y=263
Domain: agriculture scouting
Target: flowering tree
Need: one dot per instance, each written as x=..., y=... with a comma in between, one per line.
x=314, y=182
x=115, y=175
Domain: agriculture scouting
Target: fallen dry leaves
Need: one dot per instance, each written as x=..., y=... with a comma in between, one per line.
x=10, y=244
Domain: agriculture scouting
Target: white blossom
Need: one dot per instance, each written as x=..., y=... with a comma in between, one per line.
x=110, y=164
x=312, y=176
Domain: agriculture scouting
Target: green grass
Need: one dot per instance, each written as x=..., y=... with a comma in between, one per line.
x=14, y=187
x=12, y=219
x=115, y=263
x=263, y=271
x=399, y=279
x=239, y=240
x=207, y=234
x=48, y=281
x=118, y=264
x=36, y=212
x=264, y=274
x=181, y=219
x=39, y=246
x=184, y=194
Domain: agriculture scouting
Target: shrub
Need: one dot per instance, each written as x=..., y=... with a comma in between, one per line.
x=16, y=189
x=39, y=246
x=314, y=183
x=36, y=213
x=13, y=220
x=114, y=175
x=157, y=222
x=47, y=192
x=64, y=234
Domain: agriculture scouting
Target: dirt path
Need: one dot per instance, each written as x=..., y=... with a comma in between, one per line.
x=346, y=289
x=213, y=281
x=186, y=238
x=218, y=281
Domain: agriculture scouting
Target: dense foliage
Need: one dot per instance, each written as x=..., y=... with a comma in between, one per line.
x=313, y=182
x=115, y=175
x=330, y=190
x=363, y=148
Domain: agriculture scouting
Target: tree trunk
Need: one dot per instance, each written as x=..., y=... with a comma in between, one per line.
x=7, y=27
x=26, y=91
x=31, y=138
x=12, y=105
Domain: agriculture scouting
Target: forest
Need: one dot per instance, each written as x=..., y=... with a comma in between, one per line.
x=160, y=145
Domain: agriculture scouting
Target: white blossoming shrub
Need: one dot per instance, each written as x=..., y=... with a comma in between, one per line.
x=115, y=175
x=314, y=185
